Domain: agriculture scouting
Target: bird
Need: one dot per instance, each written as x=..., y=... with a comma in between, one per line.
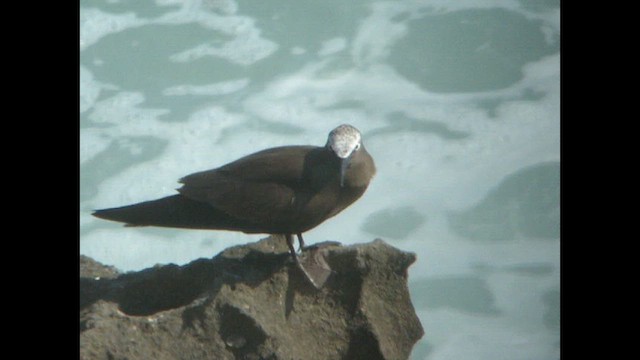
x=284, y=190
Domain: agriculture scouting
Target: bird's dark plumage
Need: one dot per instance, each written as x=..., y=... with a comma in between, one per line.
x=283, y=190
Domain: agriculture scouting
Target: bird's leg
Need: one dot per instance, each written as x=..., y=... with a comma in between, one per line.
x=300, y=241
x=292, y=250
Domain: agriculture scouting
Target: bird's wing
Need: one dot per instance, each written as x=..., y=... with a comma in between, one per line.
x=259, y=188
x=282, y=164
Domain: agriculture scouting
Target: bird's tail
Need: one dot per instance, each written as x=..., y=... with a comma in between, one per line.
x=174, y=211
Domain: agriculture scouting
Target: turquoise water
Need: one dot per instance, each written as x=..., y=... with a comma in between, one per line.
x=458, y=103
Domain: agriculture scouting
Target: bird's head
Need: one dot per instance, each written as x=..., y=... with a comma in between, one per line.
x=344, y=141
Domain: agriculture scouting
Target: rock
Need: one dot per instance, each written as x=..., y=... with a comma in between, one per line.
x=250, y=302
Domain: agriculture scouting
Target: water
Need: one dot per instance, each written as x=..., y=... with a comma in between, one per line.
x=458, y=103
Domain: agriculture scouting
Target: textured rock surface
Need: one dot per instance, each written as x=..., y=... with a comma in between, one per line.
x=250, y=302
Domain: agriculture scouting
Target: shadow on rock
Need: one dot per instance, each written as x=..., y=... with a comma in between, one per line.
x=171, y=286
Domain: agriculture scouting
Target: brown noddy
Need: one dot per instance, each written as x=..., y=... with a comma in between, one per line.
x=284, y=190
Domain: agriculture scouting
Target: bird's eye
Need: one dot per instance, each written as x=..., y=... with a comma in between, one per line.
x=357, y=147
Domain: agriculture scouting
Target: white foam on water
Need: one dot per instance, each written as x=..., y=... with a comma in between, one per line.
x=221, y=88
x=297, y=50
x=243, y=50
x=92, y=142
x=88, y=93
x=95, y=24
x=333, y=46
x=377, y=33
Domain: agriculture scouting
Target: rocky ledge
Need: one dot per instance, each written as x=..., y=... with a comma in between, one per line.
x=251, y=302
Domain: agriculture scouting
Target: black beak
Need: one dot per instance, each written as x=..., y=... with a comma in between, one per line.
x=344, y=164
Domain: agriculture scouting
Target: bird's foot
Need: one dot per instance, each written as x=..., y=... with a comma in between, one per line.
x=314, y=267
